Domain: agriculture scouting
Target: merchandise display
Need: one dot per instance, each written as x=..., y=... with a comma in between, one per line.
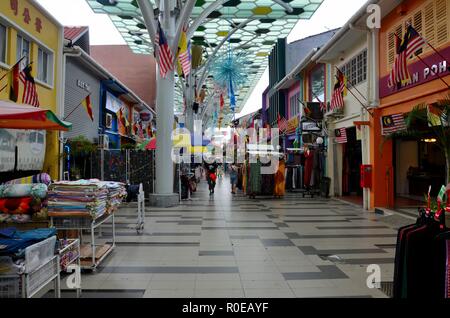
x=423, y=245
x=19, y=202
x=43, y=178
x=88, y=198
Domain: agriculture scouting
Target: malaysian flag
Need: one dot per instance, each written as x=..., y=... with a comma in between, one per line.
x=415, y=41
x=399, y=72
x=30, y=96
x=164, y=55
x=282, y=123
x=341, y=135
x=392, y=123
x=337, y=99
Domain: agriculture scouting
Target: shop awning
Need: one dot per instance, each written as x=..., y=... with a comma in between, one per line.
x=18, y=116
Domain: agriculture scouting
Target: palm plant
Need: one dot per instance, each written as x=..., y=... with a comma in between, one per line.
x=418, y=117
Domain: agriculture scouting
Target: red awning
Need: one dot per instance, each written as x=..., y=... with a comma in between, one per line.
x=18, y=116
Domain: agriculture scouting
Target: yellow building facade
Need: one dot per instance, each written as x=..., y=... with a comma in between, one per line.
x=27, y=29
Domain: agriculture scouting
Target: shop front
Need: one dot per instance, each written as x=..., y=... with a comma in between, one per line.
x=404, y=167
x=31, y=37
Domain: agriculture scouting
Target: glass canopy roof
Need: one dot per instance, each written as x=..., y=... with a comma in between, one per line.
x=271, y=21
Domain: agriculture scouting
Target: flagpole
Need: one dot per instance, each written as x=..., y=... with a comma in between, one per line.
x=12, y=68
x=428, y=43
x=353, y=86
x=364, y=106
x=416, y=55
x=77, y=107
x=317, y=97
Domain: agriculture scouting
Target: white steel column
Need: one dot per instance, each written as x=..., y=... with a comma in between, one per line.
x=165, y=113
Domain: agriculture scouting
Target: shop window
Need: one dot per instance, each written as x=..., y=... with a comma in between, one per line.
x=294, y=105
x=317, y=84
x=356, y=69
x=23, y=50
x=3, y=43
x=45, y=66
x=430, y=20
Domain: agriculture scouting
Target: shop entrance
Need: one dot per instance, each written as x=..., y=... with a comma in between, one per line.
x=351, y=162
x=419, y=163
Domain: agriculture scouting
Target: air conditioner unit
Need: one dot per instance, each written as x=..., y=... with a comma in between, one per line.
x=103, y=142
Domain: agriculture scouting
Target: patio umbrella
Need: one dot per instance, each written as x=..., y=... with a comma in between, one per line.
x=18, y=116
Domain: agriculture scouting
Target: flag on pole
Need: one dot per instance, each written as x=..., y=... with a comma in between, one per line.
x=232, y=96
x=282, y=123
x=337, y=99
x=30, y=96
x=307, y=111
x=401, y=62
x=88, y=107
x=392, y=123
x=222, y=101
x=441, y=195
x=434, y=116
x=414, y=41
x=164, y=56
x=184, y=53
x=343, y=80
x=341, y=135
x=14, y=77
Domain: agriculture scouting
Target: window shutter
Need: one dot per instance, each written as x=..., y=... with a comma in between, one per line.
x=430, y=23
x=417, y=22
x=392, y=50
x=441, y=21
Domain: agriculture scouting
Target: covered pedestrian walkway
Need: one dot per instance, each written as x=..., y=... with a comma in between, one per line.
x=231, y=246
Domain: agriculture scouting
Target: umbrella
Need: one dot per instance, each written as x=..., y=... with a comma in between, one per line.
x=18, y=116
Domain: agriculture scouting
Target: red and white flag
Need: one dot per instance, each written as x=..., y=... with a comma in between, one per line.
x=30, y=96
x=341, y=135
x=164, y=56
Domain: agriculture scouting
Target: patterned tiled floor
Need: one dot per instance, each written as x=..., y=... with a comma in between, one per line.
x=231, y=246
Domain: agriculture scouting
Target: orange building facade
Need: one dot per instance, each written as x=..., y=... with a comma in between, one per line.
x=403, y=168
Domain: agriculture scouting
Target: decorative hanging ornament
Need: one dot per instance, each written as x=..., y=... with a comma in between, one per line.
x=230, y=71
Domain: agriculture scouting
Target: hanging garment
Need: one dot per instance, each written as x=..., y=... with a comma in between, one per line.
x=447, y=270
x=309, y=162
x=441, y=269
x=399, y=258
x=289, y=177
x=280, y=181
x=421, y=259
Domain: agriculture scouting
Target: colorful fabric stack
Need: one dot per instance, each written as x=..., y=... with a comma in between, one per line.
x=39, y=178
x=18, y=202
x=116, y=193
x=83, y=198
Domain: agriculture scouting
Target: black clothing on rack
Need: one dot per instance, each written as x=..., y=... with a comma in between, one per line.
x=421, y=258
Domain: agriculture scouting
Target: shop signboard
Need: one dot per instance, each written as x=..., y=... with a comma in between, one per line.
x=421, y=72
x=113, y=103
x=30, y=149
x=311, y=126
x=7, y=150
